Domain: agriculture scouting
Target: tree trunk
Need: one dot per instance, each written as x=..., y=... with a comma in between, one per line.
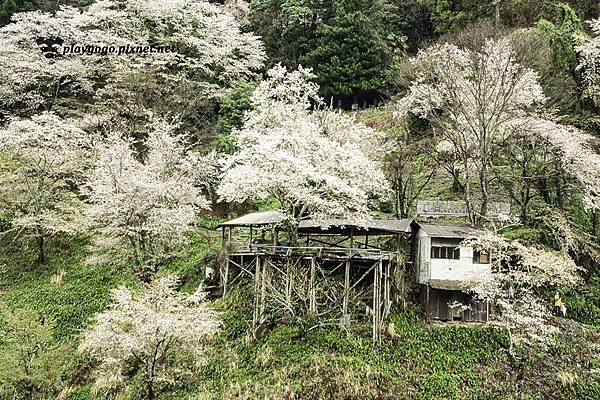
x=456, y=186
x=483, y=178
x=40, y=240
x=149, y=390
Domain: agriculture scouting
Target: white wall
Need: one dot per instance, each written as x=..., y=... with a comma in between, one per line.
x=457, y=270
x=422, y=256
x=428, y=268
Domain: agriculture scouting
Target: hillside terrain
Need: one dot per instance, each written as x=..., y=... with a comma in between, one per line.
x=117, y=169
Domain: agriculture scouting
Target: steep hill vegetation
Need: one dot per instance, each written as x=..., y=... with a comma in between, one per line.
x=115, y=170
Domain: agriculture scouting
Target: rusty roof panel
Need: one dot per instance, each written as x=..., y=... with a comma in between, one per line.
x=344, y=226
x=449, y=230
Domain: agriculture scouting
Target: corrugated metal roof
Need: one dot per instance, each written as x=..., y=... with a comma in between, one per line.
x=449, y=230
x=256, y=218
x=343, y=226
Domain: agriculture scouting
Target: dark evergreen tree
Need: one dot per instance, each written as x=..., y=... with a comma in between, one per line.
x=352, y=60
x=344, y=41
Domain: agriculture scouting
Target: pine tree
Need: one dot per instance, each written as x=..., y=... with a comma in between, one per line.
x=351, y=58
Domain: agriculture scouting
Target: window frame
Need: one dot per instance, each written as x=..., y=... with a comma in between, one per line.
x=477, y=257
x=445, y=253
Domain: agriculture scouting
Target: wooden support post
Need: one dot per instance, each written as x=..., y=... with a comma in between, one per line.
x=377, y=302
x=386, y=289
x=312, y=305
x=224, y=258
x=288, y=285
x=263, y=290
x=427, y=303
x=225, y=276
x=257, y=274
x=346, y=289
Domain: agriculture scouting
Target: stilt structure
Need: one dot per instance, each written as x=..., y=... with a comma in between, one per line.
x=326, y=276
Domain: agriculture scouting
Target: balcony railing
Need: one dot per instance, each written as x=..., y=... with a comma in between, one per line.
x=242, y=248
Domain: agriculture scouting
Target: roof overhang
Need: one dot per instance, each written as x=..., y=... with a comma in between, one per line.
x=447, y=284
x=326, y=226
x=255, y=219
x=356, y=227
x=438, y=230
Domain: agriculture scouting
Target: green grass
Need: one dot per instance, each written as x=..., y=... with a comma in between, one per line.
x=415, y=361
x=72, y=301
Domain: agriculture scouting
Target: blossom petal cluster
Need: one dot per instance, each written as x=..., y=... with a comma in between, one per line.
x=206, y=42
x=526, y=270
x=44, y=158
x=145, y=197
x=472, y=98
x=589, y=63
x=146, y=328
x=314, y=161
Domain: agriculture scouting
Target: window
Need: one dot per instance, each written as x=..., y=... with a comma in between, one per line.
x=452, y=253
x=481, y=257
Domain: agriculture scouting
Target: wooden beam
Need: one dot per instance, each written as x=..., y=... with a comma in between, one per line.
x=312, y=291
x=255, y=315
x=333, y=245
x=346, y=290
x=288, y=285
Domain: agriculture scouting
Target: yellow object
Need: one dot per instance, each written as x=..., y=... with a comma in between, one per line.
x=557, y=300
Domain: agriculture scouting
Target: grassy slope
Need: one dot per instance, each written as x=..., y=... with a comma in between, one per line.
x=417, y=361
x=83, y=290
x=444, y=361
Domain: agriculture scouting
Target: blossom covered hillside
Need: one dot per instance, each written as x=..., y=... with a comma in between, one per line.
x=349, y=199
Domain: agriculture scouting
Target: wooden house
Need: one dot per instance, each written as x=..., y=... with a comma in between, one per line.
x=445, y=269
x=362, y=257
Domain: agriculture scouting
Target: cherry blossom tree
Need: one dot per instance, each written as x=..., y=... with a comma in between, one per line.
x=41, y=52
x=43, y=161
x=314, y=162
x=145, y=198
x=589, y=63
x=149, y=330
x=530, y=272
x=476, y=101
x=578, y=156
